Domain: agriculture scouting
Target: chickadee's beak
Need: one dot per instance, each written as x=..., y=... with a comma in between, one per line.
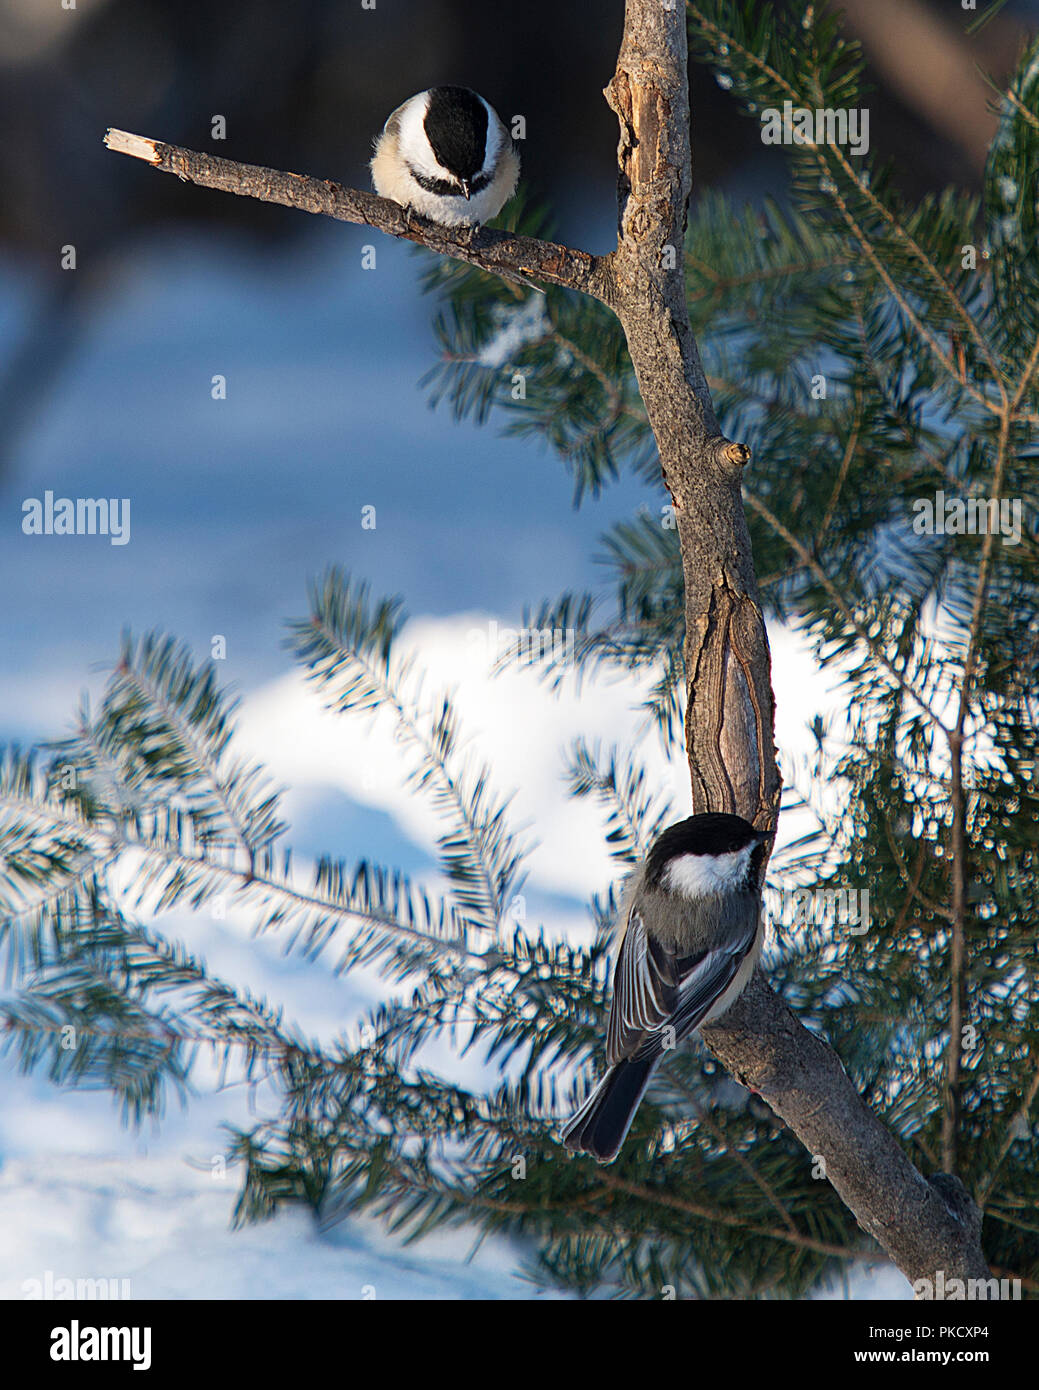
x=465, y=189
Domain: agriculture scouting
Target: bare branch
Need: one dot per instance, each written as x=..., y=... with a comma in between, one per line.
x=764, y=1046
x=501, y=253
x=729, y=712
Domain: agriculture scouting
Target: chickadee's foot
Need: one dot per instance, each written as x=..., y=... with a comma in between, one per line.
x=412, y=219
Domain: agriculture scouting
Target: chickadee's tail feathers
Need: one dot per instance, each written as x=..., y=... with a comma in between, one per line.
x=601, y=1125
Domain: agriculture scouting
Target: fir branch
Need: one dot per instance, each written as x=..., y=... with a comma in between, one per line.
x=727, y=47
x=901, y=233
x=658, y=1197
x=806, y=557
x=1020, y=1119
x=960, y=869
x=349, y=654
x=842, y=472
x=159, y=699
x=633, y=820
x=957, y=372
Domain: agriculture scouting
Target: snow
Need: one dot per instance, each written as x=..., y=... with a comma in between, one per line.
x=165, y=1228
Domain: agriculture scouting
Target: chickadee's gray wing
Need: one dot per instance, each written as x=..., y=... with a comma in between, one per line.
x=705, y=978
x=654, y=990
x=644, y=990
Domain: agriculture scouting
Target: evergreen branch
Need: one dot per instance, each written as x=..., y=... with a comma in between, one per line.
x=1026, y=379
x=842, y=472
x=750, y=391
x=586, y=405
x=466, y=1197
x=131, y=1060
x=957, y=372
x=704, y=1117
x=331, y=910
x=1020, y=1118
x=726, y=41
x=634, y=824
x=318, y=913
x=1022, y=110
x=225, y=1017
x=1018, y=1223
x=349, y=655
x=719, y=284
x=809, y=560
x=657, y=1197
x=901, y=233
x=618, y=405
x=413, y=1193
x=909, y=434
x=157, y=680
x=960, y=868
x=912, y=883
x=912, y=880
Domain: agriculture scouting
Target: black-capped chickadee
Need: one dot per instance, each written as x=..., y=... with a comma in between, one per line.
x=446, y=153
x=692, y=935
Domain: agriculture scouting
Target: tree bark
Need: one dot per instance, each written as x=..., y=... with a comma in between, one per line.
x=923, y=1226
x=729, y=713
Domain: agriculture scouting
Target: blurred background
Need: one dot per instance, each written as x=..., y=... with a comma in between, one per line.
x=105, y=390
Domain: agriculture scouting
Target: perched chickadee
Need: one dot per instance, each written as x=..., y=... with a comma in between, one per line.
x=446, y=153
x=691, y=939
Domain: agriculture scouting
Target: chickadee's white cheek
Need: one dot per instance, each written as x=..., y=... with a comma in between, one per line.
x=700, y=875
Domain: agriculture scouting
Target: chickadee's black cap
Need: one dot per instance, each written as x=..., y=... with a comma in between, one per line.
x=714, y=832
x=456, y=128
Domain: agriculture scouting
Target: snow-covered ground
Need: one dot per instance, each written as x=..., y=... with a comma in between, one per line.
x=164, y=1228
